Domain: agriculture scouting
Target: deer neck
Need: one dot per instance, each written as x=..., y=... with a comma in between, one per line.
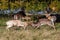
x=50, y=18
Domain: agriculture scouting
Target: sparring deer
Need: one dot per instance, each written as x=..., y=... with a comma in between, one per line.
x=44, y=21
x=18, y=23
x=52, y=18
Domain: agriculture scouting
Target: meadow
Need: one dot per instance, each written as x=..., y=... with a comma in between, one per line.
x=43, y=33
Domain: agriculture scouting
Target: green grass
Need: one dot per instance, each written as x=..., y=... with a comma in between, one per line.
x=44, y=33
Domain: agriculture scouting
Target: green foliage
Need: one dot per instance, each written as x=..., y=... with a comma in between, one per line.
x=29, y=4
x=58, y=6
x=55, y=4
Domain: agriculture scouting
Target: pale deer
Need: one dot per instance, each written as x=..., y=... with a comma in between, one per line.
x=18, y=23
x=44, y=21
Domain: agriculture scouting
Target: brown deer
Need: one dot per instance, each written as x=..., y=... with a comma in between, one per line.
x=52, y=18
x=44, y=21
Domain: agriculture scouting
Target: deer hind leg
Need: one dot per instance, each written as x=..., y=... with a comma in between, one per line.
x=52, y=25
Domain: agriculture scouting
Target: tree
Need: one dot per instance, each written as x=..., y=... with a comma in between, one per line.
x=9, y=4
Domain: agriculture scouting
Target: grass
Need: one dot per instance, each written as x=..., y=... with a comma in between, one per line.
x=44, y=33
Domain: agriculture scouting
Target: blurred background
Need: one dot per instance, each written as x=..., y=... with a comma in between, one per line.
x=31, y=6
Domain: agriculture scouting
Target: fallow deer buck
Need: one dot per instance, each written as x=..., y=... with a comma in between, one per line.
x=52, y=18
x=44, y=21
x=18, y=23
